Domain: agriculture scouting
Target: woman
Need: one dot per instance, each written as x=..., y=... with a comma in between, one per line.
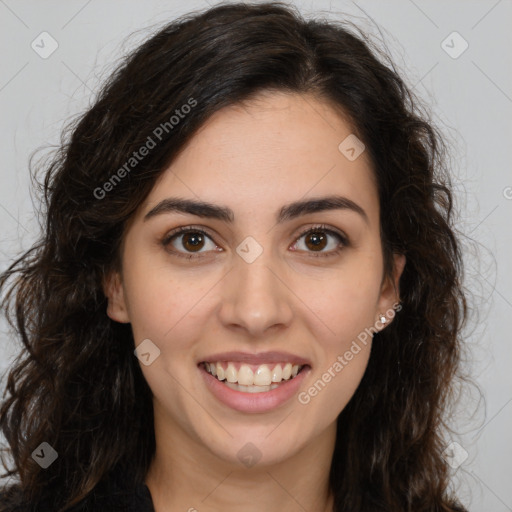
x=248, y=294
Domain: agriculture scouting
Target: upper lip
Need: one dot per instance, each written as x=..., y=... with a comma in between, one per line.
x=261, y=358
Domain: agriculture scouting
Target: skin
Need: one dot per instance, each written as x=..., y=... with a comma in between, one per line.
x=285, y=300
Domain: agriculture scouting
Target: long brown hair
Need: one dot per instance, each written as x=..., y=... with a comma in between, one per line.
x=76, y=383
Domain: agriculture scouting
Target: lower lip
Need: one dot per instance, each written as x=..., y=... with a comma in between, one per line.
x=254, y=402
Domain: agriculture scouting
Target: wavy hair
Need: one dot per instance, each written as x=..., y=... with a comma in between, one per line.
x=76, y=383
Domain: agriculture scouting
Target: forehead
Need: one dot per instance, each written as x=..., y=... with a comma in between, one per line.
x=273, y=149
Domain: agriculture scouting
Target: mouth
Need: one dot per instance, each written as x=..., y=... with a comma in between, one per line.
x=248, y=378
x=252, y=388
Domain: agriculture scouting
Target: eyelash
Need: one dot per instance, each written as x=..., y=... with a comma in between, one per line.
x=193, y=229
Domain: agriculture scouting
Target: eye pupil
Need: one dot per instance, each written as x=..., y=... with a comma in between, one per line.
x=194, y=239
x=318, y=240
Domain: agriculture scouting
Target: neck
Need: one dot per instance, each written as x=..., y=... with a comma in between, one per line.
x=187, y=475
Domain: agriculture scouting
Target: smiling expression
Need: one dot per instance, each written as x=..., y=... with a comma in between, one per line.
x=281, y=251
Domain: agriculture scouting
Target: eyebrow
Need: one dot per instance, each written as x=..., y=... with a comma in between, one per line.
x=287, y=212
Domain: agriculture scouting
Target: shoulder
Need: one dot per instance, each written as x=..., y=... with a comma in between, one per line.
x=136, y=500
x=114, y=500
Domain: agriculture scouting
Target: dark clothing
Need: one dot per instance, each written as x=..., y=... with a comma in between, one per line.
x=136, y=500
x=109, y=500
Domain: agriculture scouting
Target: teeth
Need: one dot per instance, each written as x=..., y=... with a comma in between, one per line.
x=231, y=373
x=287, y=371
x=277, y=374
x=245, y=376
x=251, y=389
x=262, y=377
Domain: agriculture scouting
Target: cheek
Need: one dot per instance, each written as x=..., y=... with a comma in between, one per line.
x=346, y=313
x=163, y=304
x=169, y=311
x=341, y=378
x=343, y=301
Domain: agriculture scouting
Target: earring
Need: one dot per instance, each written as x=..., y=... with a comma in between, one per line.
x=383, y=319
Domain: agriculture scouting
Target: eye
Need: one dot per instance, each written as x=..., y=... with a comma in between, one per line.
x=191, y=239
x=317, y=238
x=194, y=239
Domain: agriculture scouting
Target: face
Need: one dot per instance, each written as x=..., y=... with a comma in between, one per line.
x=269, y=283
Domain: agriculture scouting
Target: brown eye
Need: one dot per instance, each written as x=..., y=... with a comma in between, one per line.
x=188, y=242
x=316, y=239
x=193, y=241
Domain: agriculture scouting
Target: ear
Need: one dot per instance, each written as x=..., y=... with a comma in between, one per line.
x=390, y=292
x=114, y=291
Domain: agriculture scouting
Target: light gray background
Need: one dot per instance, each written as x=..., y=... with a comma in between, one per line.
x=471, y=101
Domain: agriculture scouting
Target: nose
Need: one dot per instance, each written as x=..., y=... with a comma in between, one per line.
x=255, y=298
